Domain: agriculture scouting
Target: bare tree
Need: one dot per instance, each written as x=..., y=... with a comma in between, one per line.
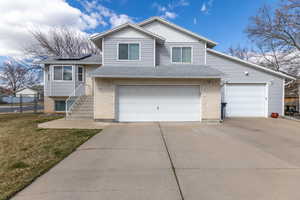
x=276, y=33
x=241, y=52
x=60, y=41
x=15, y=76
x=276, y=58
x=281, y=25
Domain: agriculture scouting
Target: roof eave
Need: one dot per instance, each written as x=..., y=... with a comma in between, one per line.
x=70, y=63
x=158, y=77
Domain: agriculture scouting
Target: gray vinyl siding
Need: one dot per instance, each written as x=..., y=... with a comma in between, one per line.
x=234, y=72
x=65, y=88
x=298, y=93
x=163, y=52
x=58, y=88
x=46, y=81
x=110, y=54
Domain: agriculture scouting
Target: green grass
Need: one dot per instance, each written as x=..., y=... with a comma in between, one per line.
x=26, y=151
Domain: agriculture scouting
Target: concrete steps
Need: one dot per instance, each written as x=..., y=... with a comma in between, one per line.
x=83, y=109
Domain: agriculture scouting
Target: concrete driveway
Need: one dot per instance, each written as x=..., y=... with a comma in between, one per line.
x=239, y=159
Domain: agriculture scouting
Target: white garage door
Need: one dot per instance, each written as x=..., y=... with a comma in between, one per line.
x=245, y=100
x=159, y=103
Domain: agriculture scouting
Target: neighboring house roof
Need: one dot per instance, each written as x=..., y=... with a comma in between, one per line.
x=168, y=71
x=4, y=91
x=159, y=19
x=88, y=59
x=26, y=90
x=118, y=28
x=252, y=64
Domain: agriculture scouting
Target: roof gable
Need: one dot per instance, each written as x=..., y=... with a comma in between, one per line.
x=171, y=34
x=127, y=25
x=210, y=43
x=129, y=32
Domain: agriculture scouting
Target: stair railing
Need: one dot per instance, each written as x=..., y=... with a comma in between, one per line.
x=81, y=90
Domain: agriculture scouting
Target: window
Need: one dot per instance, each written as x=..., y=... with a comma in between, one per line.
x=60, y=105
x=80, y=74
x=129, y=51
x=62, y=73
x=182, y=54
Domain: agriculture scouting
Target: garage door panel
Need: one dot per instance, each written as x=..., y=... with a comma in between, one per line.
x=245, y=100
x=159, y=103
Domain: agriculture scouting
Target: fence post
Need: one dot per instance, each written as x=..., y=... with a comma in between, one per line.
x=35, y=103
x=21, y=103
x=11, y=103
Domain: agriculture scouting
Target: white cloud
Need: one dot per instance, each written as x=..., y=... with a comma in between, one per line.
x=179, y=3
x=114, y=19
x=170, y=15
x=19, y=16
x=203, y=7
x=169, y=10
x=207, y=6
x=195, y=20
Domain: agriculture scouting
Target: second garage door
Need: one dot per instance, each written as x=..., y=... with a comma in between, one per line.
x=245, y=100
x=159, y=103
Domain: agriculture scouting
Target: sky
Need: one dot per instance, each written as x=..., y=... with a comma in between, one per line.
x=223, y=21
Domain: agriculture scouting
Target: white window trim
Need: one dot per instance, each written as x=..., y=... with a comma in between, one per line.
x=283, y=95
x=139, y=43
x=45, y=79
x=180, y=63
x=205, y=54
x=154, y=53
x=52, y=66
x=102, y=51
x=83, y=74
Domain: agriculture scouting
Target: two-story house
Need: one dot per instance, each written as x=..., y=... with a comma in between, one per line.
x=158, y=71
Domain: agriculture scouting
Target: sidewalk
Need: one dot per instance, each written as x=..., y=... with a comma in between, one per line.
x=69, y=124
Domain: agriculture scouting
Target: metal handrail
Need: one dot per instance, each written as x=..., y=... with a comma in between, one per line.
x=75, y=96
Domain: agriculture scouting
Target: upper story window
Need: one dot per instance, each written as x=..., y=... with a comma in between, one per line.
x=80, y=74
x=62, y=73
x=181, y=54
x=129, y=51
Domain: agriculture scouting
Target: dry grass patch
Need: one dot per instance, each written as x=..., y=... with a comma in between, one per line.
x=27, y=151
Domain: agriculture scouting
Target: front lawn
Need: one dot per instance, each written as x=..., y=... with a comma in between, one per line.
x=27, y=151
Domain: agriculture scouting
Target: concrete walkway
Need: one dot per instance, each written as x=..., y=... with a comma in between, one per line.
x=122, y=162
x=91, y=124
x=69, y=124
x=241, y=159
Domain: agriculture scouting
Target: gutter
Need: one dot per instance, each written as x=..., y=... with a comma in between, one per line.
x=158, y=77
